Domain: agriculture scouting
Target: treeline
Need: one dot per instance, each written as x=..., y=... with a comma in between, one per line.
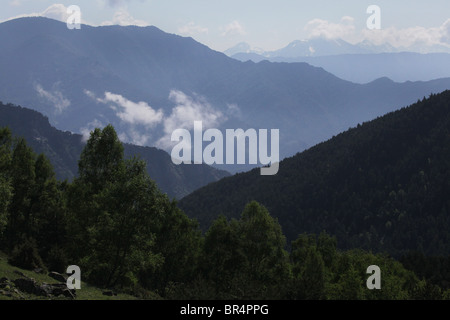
x=115, y=223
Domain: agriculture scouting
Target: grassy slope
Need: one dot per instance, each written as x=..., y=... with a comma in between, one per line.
x=87, y=292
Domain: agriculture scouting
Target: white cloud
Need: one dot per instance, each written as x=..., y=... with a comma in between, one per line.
x=233, y=111
x=86, y=131
x=135, y=113
x=186, y=111
x=90, y=94
x=191, y=29
x=234, y=28
x=445, y=32
x=55, y=11
x=133, y=136
x=55, y=97
x=403, y=38
x=123, y=18
x=59, y=12
x=406, y=38
x=132, y=114
x=329, y=30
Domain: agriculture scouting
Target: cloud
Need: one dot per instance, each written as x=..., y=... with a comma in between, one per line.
x=133, y=136
x=234, y=28
x=123, y=18
x=445, y=32
x=413, y=37
x=135, y=113
x=132, y=114
x=186, y=111
x=233, y=111
x=329, y=30
x=191, y=29
x=86, y=131
x=55, y=11
x=55, y=97
x=59, y=12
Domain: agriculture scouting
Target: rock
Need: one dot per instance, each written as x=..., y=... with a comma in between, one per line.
x=4, y=282
x=6, y=293
x=38, y=270
x=19, y=294
x=62, y=290
x=45, y=290
x=57, y=276
x=27, y=285
x=30, y=286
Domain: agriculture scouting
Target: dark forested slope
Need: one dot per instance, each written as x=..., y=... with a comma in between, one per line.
x=383, y=186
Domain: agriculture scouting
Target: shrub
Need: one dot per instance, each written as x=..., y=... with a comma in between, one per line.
x=26, y=256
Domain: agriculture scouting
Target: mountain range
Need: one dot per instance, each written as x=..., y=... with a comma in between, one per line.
x=314, y=47
x=364, y=68
x=321, y=46
x=361, y=63
x=382, y=186
x=146, y=83
x=64, y=148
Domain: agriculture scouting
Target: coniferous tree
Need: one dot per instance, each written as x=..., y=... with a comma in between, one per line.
x=22, y=181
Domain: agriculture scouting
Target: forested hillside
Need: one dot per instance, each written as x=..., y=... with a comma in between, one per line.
x=383, y=186
x=115, y=224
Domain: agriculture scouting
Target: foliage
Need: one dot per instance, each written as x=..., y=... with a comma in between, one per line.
x=246, y=259
x=111, y=209
x=26, y=256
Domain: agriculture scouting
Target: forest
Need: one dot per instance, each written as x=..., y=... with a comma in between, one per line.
x=124, y=233
x=383, y=185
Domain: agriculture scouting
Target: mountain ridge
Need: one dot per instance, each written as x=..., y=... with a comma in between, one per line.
x=400, y=67
x=101, y=75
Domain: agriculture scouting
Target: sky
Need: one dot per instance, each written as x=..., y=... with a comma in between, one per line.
x=264, y=24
